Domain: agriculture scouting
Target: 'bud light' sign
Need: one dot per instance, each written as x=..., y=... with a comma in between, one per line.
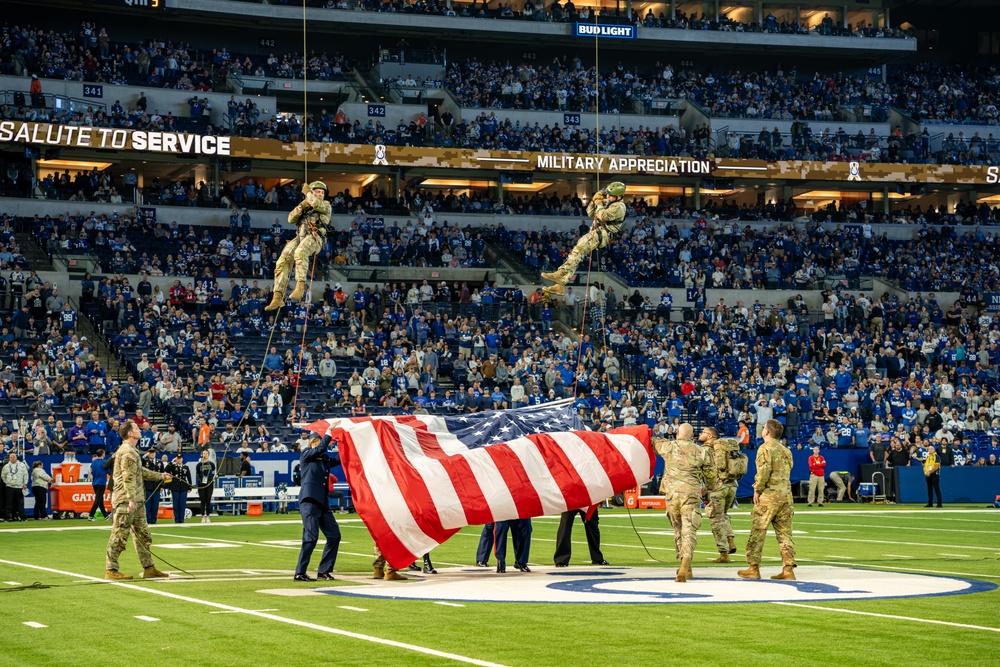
x=614, y=31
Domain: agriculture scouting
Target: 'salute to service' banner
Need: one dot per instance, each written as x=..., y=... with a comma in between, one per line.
x=71, y=136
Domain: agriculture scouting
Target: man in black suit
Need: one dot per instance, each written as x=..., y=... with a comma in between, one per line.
x=564, y=536
x=314, y=505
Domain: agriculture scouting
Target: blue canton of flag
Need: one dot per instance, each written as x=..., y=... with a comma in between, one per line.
x=486, y=428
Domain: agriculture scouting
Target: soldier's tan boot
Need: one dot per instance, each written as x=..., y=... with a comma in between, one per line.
x=378, y=573
x=787, y=569
x=152, y=573
x=555, y=290
x=752, y=572
x=277, y=301
x=392, y=575
x=732, y=545
x=298, y=292
x=723, y=558
x=684, y=571
x=115, y=575
x=555, y=276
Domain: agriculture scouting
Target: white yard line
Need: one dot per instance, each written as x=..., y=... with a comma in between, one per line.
x=896, y=556
x=239, y=612
x=448, y=604
x=34, y=624
x=148, y=618
x=892, y=568
x=272, y=617
x=892, y=616
x=350, y=608
x=955, y=555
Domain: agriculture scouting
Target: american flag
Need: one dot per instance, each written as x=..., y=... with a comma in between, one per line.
x=417, y=479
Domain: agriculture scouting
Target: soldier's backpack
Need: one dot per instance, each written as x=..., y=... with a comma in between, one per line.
x=736, y=460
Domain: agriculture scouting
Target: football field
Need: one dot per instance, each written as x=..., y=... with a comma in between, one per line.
x=877, y=585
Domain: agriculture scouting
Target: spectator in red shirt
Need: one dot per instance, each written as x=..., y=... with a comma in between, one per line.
x=140, y=419
x=817, y=476
x=218, y=390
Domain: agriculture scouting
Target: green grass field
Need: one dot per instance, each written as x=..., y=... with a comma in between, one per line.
x=220, y=618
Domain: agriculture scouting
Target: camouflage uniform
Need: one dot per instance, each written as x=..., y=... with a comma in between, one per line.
x=127, y=486
x=686, y=467
x=380, y=563
x=723, y=493
x=312, y=218
x=608, y=222
x=774, y=501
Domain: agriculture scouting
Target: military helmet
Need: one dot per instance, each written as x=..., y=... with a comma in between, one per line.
x=616, y=189
x=320, y=185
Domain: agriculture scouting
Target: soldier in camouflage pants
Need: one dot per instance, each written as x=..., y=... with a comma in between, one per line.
x=607, y=209
x=382, y=569
x=772, y=498
x=722, y=495
x=127, y=498
x=311, y=218
x=686, y=468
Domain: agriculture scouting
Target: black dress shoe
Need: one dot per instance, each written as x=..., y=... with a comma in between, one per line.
x=324, y=575
x=303, y=577
x=501, y=568
x=599, y=562
x=523, y=567
x=429, y=569
x=562, y=564
x=482, y=563
x=414, y=567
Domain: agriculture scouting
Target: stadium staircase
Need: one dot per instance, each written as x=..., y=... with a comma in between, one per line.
x=38, y=258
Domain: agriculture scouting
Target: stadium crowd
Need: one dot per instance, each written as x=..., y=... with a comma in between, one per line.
x=89, y=54
x=567, y=12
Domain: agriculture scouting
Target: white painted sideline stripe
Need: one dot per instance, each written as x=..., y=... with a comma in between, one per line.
x=33, y=624
x=448, y=604
x=891, y=568
x=350, y=608
x=955, y=555
x=896, y=556
x=239, y=612
x=13, y=583
x=147, y=618
x=892, y=616
x=271, y=617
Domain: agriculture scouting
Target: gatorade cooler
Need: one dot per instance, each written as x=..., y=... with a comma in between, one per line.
x=70, y=472
x=255, y=509
x=165, y=512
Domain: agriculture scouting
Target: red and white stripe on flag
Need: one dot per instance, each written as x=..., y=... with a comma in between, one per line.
x=415, y=484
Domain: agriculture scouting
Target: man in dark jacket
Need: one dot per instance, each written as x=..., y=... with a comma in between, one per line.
x=314, y=505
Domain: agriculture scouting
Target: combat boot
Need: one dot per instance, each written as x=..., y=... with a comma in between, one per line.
x=555, y=290
x=298, y=292
x=115, y=575
x=378, y=573
x=152, y=573
x=277, y=301
x=723, y=558
x=752, y=572
x=428, y=565
x=392, y=575
x=732, y=545
x=684, y=571
x=787, y=569
x=556, y=276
